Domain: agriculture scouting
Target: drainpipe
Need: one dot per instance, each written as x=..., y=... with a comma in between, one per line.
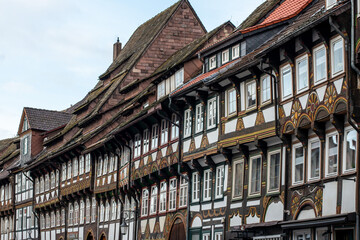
x=180, y=126
x=349, y=114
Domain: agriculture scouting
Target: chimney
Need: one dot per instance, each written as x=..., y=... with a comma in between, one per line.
x=116, y=49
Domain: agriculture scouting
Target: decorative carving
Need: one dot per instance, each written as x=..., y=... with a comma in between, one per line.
x=204, y=142
x=281, y=112
x=318, y=201
x=192, y=146
x=240, y=124
x=296, y=112
x=259, y=118
x=330, y=96
x=313, y=103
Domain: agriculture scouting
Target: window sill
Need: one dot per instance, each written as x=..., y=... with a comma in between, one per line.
x=273, y=193
x=235, y=199
x=193, y=203
x=206, y=201
x=266, y=103
x=348, y=172
x=219, y=198
x=254, y=196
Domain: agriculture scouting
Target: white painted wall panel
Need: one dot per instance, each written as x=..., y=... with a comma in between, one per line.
x=230, y=126
x=186, y=145
x=249, y=121
x=329, y=198
x=287, y=108
x=348, y=196
x=274, y=212
x=303, y=100
x=213, y=136
x=338, y=85
x=198, y=141
x=321, y=93
x=269, y=114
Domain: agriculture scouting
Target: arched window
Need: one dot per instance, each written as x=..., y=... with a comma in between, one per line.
x=41, y=184
x=106, y=162
x=116, y=163
x=69, y=169
x=42, y=221
x=88, y=210
x=113, y=209
x=111, y=164
x=100, y=163
x=63, y=177
x=93, y=210
x=75, y=167
x=71, y=214
x=107, y=211
x=48, y=221
x=47, y=182
x=76, y=213
x=119, y=209
x=145, y=202
x=82, y=211
x=87, y=162
x=58, y=218
x=52, y=180
x=102, y=210
x=81, y=164
x=63, y=217
x=52, y=219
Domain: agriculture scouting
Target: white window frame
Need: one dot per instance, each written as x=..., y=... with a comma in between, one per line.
x=155, y=136
x=327, y=174
x=75, y=167
x=146, y=140
x=113, y=209
x=346, y=131
x=282, y=70
x=172, y=193
x=297, y=62
x=183, y=195
x=82, y=211
x=295, y=146
x=144, y=202
x=137, y=145
x=332, y=43
x=179, y=77
x=64, y=176
x=315, y=51
x=87, y=162
x=206, y=236
x=69, y=171
x=199, y=118
x=164, y=131
x=187, y=123
x=225, y=56
x=105, y=164
x=212, y=62
x=153, y=200
x=161, y=90
x=93, y=209
x=228, y=92
x=211, y=113
x=235, y=51
x=207, y=185
x=247, y=95
x=309, y=163
x=195, y=196
x=163, y=196
x=269, y=171
x=219, y=182
x=250, y=175
x=218, y=236
x=265, y=77
x=174, y=128
x=81, y=164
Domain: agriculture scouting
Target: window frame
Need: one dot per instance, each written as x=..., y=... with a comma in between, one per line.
x=330, y=5
x=298, y=60
x=183, y=192
x=153, y=200
x=211, y=65
x=163, y=192
x=146, y=141
x=346, y=132
x=211, y=113
x=282, y=70
x=144, y=202
x=332, y=42
x=233, y=51
x=172, y=194
x=263, y=77
x=154, y=136
x=199, y=116
x=278, y=151
x=309, y=163
x=294, y=182
x=175, y=129
x=207, y=190
x=327, y=174
x=161, y=90
x=247, y=84
x=219, y=194
x=250, y=193
x=195, y=191
x=228, y=113
x=164, y=138
x=315, y=50
x=137, y=145
x=225, y=59
x=242, y=49
x=179, y=74
x=187, y=119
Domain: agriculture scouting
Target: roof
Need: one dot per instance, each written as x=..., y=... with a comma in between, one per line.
x=140, y=40
x=8, y=149
x=45, y=120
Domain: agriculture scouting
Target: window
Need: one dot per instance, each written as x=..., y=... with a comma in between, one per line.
x=320, y=73
x=153, y=201
x=350, y=144
x=52, y=180
x=99, y=169
x=137, y=145
x=76, y=213
x=107, y=210
x=48, y=220
x=199, y=118
x=163, y=189
x=331, y=155
x=183, y=192
x=286, y=82
x=69, y=169
x=82, y=211
x=58, y=218
x=63, y=178
x=172, y=194
x=146, y=141
x=243, y=49
x=195, y=187
x=145, y=202
x=302, y=73
x=25, y=149
x=206, y=236
x=250, y=95
x=225, y=56
x=174, y=128
x=161, y=90
x=25, y=124
x=330, y=3
x=113, y=209
x=87, y=162
x=207, y=185
x=164, y=131
x=63, y=217
x=314, y=159
x=37, y=186
x=71, y=214
x=154, y=136
x=47, y=183
x=265, y=89
x=179, y=77
x=93, y=210
x=187, y=123
x=337, y=56
x=111, y=164
x=88, y=210
x=302, y=235
x=212, y=107
x=235, y=52
x=255, y=175
x=102, y=211
x=231, y=101
x=106, y=163
x=212, y=62
x=42, y=186
x=218, y=236
x=274, y=171
x=298, y=164
x=81, y=165
x=219, y=182
x=75, y=167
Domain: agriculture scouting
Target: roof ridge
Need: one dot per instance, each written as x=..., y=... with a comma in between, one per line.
x=42, y=109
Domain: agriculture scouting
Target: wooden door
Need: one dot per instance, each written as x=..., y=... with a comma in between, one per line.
x=178, y=231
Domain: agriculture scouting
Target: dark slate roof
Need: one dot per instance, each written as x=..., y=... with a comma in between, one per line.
x=45, y=120
x=140, y=40
x=8, y=149
x=4, y=143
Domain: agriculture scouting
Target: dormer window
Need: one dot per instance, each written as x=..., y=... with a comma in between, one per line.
x=243, y=49
x=25, y=145
x=235, y=52
x=25, y=124
x=225, y=56
x=179, y=77
x=212, y=62
x=161, y=90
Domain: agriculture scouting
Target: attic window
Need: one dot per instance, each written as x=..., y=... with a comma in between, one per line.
x=330, y=3
x=212, y=62
x=25, y=124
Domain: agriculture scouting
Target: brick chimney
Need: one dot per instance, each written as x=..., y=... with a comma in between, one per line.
x=116, y=49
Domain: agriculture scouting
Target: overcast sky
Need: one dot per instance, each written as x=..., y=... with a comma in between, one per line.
x=52, y=51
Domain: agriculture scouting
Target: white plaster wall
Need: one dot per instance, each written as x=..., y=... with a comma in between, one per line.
x=287, y=108
x=254, y=219
x=152, y=224
x=249, y=121
x=206, y=206
x=213, y=136
x=111, y=232
x=253, y=203
x=269, y=114
x=274, y=212
x=196, y=222
x=143, y=225
x=221, y=203
x=348, y=196
x=174, y=146
x=329, y=198
x=236, y=205
x=321, y=92
x=198, y=141
x=306, y=214
x=195, y=208
x=303, y=100
x=162, y=223
x=163, y=151
x=338, y=85
x=230, y=126
x=186, y=145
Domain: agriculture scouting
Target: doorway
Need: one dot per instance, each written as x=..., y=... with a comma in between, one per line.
x=178, y=230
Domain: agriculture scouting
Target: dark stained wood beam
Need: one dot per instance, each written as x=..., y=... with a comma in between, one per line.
x=302, y=135
x=338, y=122
x=244, y=150
x=227, y=153
x=210, y=162
x=262, y=146
x=319, y=129
x=195, y=164
x=202, y=95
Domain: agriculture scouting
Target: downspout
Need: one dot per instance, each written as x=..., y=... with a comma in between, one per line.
x=180, y=125
x=349, y=114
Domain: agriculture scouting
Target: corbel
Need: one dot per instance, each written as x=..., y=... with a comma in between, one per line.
x=319, y=129
x=195, y=164
x=190, y=101
x=216, y=87
x=302, y=135
x=262, y=146
x=173, y=171
x=161, y=173
x=324, y=35
x=289, y=54
x=305, y=43
x=202, y=95
x=244, y=150
x=210, y=162
x=153, y=177
x=286, y=139
x=227, y=153
x=255, y=72
x=186, y=167
x=235, y=81
x=338, y=122
x=274, y=62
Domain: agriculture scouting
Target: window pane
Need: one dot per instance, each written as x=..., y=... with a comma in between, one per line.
x=251, y=95
x=320, y=64
x=302, y=73
x=338, y=56
x=350, y=151
x=286, y=82
x=299, y=164
x=274, y=171
x=265, y=88
x=255, y=175
x=315, y=160
x=332, y=154
x=238, y=179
